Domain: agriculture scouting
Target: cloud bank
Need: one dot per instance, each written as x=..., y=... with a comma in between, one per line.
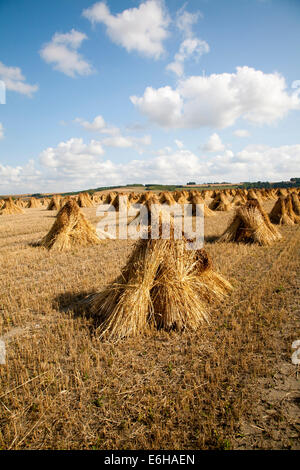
x=219, y=100
x=75, y=165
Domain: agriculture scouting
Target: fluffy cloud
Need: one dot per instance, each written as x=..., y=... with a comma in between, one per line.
x=191, y=47
x=72, y=155
x=214, y=144
x=273, y=163
x=185, y=21
x=179, y=143
x=98, y=125
x=116, y=139
x=19, y=179
x=74, y=165
x=1, y=131
x=162, y=106
x=76, y=169
x=126, y=142
x=61, y=51
x=218, y=100
x=15, y=81
x=141, y=29
x=241, y=133
x=163, y=151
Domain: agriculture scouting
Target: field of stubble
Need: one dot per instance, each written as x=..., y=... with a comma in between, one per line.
x=230, y=385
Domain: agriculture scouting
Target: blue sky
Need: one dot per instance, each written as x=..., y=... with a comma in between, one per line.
x=153, y=91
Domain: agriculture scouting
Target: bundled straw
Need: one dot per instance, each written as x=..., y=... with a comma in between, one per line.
x=263, y=194
x=144, y=197
x=296, y=203
x=84, y=200
x=109, y=198
x=21, y=203
x=272, y=194
x=182, y=198
x=33, y=203
x=177, y=195
x=184, y=284
x=118, y=201
x=133, y=198
x=166, y=198
x=10, y=207
x=64, y=200
x=95, y=198
x=55, y=203
x=251, y=225
x=220, y=203
x=282, y=192
x=70, y=229
x=163, y=285
x=279, y=214
x=45, y=201
x=254, y=195
x=239, y=200
x=290, y=209
x=197, y=199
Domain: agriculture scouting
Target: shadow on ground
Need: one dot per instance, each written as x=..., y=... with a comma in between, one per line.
x=210, y=239
x=77, y=305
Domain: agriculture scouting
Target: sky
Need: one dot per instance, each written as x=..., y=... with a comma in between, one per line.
x=147, y=91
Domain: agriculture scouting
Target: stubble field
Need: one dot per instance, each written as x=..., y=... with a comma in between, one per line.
x=230, y=385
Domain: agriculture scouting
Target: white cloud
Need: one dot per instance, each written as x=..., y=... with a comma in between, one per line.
x=98, y=125
x=116, y=139
x=185, y=21
x=256, y=163
x=275, y=162
x=19, y=179
x=15, y=81
x=1, y=131
x=214, y=144
x=126, y=142
x=61, y=51
x=241, y=133
x=163, y=151
x=73, y=170
x=218, y=100
x=141, y=29
x=73, y=165
x=189, y=48
x=179, y=143
x=162, y=106
x=72, y=155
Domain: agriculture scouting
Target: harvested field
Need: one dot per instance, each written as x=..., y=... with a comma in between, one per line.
x=229, y=385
